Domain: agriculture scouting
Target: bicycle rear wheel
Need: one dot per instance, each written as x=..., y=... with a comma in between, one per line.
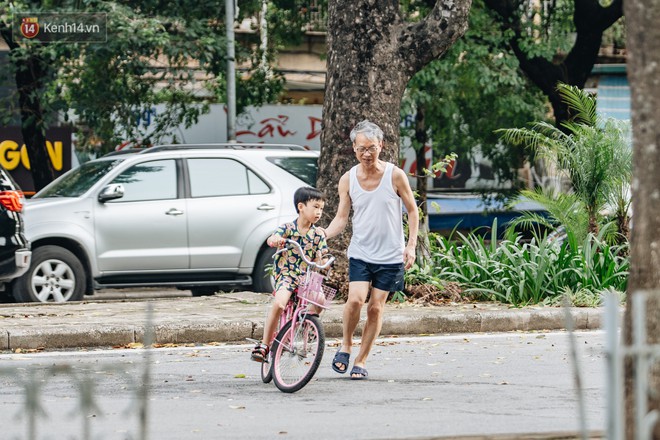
x=297, y=354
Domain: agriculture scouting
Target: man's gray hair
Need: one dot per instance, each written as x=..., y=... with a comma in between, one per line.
x=369, y=129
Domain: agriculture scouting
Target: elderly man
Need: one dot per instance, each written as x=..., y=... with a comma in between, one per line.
x=378, y=253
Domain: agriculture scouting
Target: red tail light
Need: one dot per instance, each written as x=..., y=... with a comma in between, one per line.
x=12, y=200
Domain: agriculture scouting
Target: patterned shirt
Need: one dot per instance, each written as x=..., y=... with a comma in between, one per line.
x=289, y=265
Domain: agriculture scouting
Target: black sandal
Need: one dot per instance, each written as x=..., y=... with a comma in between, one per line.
x=260, y=353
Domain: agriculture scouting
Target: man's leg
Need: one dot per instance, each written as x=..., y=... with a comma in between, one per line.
x=372, y=326
x=357, y=294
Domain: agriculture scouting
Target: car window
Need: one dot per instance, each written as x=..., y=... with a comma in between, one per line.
x=79, y=180
x=257, y=186
x=304, y=168
x=223, y=177
x=155, y=180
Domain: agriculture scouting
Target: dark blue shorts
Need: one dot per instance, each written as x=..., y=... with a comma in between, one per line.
x=387, y=277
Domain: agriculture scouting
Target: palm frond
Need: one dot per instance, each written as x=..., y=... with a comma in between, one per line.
x=565, y=209
x=529, y=221
x=581, y=104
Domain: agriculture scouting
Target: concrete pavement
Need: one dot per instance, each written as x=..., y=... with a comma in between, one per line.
x=233, y=317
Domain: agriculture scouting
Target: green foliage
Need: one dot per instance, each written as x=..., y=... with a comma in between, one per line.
x=564, y=209
x=583, y=298
x=530, y=273
x=615, y=35
x=546, y=31
x=593, y=153
x=398, y=297
x=421, y=274
x=473, y=90
x=157, y=53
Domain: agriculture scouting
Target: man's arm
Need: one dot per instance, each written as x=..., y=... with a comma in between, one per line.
x=340, y=221
x=406, y=194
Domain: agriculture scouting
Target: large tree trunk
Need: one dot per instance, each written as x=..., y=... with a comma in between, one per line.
x=29, y=83
x=372, y=54
x=591, y=20
x=642, y=18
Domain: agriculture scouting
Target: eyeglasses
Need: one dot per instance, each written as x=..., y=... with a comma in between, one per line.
x=370, y=150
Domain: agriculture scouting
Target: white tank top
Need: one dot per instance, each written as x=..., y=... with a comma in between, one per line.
x=377, y=221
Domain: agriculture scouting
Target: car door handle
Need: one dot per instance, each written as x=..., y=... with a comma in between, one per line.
x=265, y=207
x=174, y=211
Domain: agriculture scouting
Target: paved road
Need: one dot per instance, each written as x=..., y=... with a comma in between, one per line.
x=429, y=387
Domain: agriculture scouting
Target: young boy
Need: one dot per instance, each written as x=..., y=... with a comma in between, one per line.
x=289, y=266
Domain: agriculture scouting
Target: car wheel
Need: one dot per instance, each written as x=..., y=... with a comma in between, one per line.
x=55, y=275
x=262, y=280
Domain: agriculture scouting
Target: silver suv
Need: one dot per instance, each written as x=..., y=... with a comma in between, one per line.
x=191, y=216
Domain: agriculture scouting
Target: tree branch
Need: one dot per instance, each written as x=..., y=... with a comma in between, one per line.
x=429, y=39
x=590, y=19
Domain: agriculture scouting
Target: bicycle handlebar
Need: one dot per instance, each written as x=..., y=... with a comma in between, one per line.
x=305, y=259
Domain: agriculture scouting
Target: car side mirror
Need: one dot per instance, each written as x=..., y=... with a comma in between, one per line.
x=111, y=192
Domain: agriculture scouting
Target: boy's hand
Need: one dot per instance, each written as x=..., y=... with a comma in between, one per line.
x=276, y=241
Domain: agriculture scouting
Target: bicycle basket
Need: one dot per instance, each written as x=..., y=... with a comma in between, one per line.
x=314, y=291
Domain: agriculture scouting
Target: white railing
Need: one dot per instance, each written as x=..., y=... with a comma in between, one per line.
x=35, y=383
x=644, y=356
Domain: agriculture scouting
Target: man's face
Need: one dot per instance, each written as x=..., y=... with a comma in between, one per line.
x=366, y=150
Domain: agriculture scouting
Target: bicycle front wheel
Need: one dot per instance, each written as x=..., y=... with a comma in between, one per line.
x=297, y=354
x=266, y=370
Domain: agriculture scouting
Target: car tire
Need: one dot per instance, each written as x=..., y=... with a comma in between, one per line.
x=55, y=275
x=262, y=280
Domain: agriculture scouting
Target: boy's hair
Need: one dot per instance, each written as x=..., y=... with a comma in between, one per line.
x=367, y=128
x=305, y=194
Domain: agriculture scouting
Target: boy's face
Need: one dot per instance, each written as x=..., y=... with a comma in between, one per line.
x=312, y=210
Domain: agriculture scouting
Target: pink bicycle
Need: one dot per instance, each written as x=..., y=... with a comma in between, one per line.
x=299, y=340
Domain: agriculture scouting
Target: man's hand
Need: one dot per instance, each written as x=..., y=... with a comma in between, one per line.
x=409, y=256
x=322, y=231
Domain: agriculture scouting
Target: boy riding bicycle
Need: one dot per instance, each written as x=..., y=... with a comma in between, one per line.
x=289, y=267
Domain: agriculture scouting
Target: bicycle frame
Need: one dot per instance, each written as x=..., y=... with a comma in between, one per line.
x=297, y=344
x=297, y=307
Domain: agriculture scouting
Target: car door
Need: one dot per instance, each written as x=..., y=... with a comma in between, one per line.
x=146, y=228
x=227, y=203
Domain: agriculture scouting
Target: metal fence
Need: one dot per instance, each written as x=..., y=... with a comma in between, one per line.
x=33, y=385
x=644, y=356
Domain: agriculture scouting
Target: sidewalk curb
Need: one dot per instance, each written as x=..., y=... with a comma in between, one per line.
x=201, y=320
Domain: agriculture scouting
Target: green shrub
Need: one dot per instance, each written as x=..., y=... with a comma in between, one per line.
x=540, y=271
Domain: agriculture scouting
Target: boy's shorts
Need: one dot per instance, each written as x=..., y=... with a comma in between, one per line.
x=387, y=277
x=285, y=282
